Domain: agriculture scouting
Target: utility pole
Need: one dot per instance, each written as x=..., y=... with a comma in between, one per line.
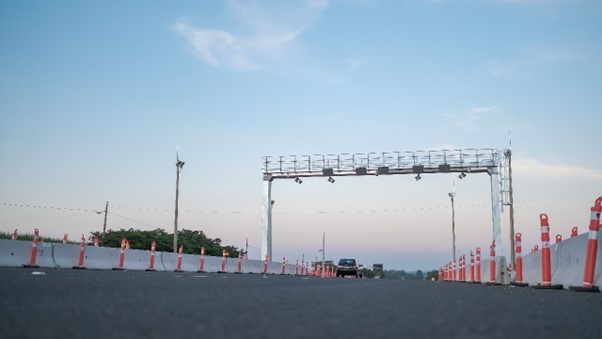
x=323, y=250
x=452, y=195
x=179, y=165
x=104, y=225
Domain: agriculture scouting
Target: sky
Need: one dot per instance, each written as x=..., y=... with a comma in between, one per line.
x=97, y=97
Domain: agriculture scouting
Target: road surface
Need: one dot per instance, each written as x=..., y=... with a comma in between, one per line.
x=65, y=303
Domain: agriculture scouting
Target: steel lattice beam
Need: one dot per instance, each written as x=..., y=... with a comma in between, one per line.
x=485, y=160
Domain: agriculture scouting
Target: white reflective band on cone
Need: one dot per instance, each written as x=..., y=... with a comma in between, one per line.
x=593, y=235
x=545, y=229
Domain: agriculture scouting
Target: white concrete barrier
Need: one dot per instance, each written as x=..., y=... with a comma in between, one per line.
x=101, y=258
x=16, y=253
x=231, y=265
x=252, y=266
x=567, y=263
x=67, y=255
x=190, y=262
x=501, y=268
x=135, y=260
x=274, y=268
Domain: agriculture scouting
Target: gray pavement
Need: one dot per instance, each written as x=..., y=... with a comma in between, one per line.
x=69, y=303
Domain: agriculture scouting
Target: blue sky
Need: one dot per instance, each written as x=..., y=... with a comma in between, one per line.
x=96, y=96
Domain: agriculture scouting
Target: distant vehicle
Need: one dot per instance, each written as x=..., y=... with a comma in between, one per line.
x=378, y=270
x=349, y=267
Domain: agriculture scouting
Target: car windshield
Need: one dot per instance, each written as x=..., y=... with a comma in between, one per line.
x=346, y=262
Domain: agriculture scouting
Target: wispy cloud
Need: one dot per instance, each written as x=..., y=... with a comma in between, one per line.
x=469, y=119
x=529, y=167
x=559, y=55
x=269, y=31
x=499, y=69
x=217, y=48
x=541, y=55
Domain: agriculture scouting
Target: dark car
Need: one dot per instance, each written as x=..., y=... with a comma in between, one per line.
x=348, y=267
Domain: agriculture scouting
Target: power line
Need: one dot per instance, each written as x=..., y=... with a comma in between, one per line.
x=132, y=220
x=41, y=219
x=395, y=210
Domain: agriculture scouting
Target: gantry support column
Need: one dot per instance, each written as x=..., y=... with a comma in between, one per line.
x=496, y=208
x=266, y=234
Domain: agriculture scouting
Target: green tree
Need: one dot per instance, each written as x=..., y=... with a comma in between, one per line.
x=192, y=241
x=432, y=275
x=367, y=273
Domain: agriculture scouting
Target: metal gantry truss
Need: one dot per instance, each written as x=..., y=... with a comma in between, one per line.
x=485, y=160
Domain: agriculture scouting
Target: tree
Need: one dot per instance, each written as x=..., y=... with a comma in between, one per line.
x=192, y=241
x=367, y=273
x=432, y=275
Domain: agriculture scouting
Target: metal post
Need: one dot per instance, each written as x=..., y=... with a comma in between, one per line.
x=496, y=207
x=452, y=195
x=323, y=251
x=511, y=198
x=179, y=165
x=266, y=241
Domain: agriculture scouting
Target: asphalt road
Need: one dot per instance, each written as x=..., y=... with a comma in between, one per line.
x=64, y=303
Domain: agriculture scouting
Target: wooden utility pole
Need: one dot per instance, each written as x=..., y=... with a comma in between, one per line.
x=104, y=225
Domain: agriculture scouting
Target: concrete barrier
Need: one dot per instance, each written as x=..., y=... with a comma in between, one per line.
x=136, y=260
x=190, y=262
x=567, y=263
x=252, y=266
x=67, y=255
x=13, y=253
x=501, y=268
x=16, y=253
x=101, y=258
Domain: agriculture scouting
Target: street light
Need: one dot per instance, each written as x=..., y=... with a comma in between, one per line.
x=323, y=250
x=179, y=165
x=451, y=196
